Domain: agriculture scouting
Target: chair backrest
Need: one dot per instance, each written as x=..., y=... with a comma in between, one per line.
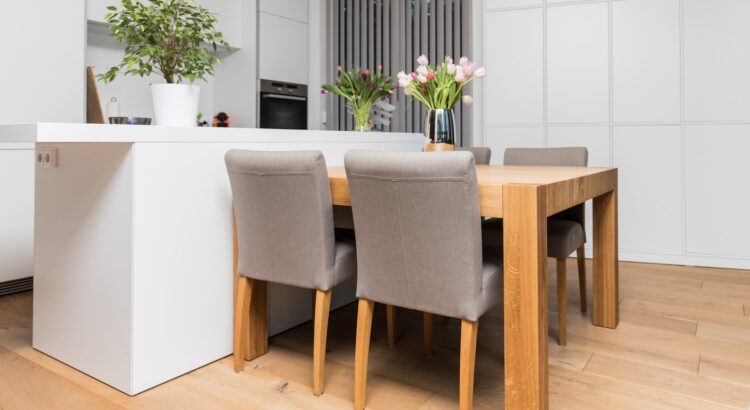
x=563, y=156
x=418, y=229
x=481, y=154
x=282, y=203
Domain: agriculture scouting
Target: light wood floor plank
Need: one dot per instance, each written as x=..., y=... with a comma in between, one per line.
x=682, y=338
x=26, y=385
x=731, y=371
x=687, y=385
x=726, y=333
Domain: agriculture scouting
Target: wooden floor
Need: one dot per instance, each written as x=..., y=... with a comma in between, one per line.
x=683, y=342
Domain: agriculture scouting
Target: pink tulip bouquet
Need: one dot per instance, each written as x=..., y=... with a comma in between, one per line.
x=442, y=86
x=361, y=89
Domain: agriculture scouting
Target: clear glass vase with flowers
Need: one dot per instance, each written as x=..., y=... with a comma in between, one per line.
x=361, y=89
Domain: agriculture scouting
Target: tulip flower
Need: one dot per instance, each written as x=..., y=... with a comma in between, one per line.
x=451, y=68
x=366, y=73
x=422, y=70
x=339, y=69
x=468, y=68
x=422, y=60
x=430, y=76
x=481, y=72
x=323, y=91
x=467, y=99
x=448, y=60
x=460, y=75
x=462, y=61
x=422, y=78
x=380, y=67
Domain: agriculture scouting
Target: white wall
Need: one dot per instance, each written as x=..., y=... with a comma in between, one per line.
x=42, y=77
x=657, y=88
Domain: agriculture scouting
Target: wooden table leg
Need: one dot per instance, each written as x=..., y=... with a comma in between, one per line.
x=606, y=271
x=257, y=332
x=525, y=298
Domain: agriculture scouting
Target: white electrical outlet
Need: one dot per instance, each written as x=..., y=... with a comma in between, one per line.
x=46, y=157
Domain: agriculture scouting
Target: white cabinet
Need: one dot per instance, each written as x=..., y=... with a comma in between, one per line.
x=16, y=211
x=283, y=54
x=515, y=90
x=717, y=194
x=291, y=9
x=649, y=160
x=500, y=138
x=717, y=60
x=646, y=60
x=577, y=63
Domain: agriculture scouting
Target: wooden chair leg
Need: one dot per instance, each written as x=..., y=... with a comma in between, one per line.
x=322, y=309
x=361, y=351
x=581, y=255
x=241, y=321
x=468, y=359
x=427, y=324
x=562, y=301
x=390, y=314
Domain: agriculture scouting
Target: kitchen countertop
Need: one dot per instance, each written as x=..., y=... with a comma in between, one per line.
x=68, y=132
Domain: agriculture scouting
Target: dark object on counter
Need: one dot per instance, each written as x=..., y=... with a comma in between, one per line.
x=130, y=120
x=283, y=105
x=222, y=120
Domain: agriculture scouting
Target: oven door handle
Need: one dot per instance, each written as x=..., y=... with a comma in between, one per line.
x=284, y=97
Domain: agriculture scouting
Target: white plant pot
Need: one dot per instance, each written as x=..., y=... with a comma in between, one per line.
x=175, y=105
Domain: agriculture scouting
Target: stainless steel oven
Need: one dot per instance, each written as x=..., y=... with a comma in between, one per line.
x=282, y=105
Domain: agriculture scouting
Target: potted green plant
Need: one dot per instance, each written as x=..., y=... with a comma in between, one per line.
x=175, y=39
x=361, y=89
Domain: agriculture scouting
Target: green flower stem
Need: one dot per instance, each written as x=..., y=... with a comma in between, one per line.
x=362, y=111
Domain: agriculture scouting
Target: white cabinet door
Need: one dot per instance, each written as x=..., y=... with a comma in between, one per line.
x=649, y=160
x=717, y=172
x=500, y=138
x=16, y=213
x=578, y=63
x=283, y=49
x=515, y=90
x=291, y=9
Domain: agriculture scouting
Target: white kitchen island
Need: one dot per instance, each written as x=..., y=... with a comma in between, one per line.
x=133, y=243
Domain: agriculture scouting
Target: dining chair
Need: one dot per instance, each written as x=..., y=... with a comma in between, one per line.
x=481, y=154
x=419, y=246
x=565, y=230
x=285, y=234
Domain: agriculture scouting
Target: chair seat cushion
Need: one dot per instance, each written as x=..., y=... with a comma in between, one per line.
x=345, y=262
x=563, y=237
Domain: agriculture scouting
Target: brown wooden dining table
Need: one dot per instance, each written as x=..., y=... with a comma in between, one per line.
x=523, y=196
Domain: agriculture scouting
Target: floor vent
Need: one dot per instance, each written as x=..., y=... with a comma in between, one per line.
x=17, y=285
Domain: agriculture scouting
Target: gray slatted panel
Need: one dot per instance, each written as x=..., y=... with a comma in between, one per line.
x=394, y=33
x=334, y=38
x=408, y=60
x=357, y=15
x=349, y=53
x=458, y=49
x=440, y=27
x=424, y=49
x=371, y=35
x=432, y=33
x=398, y=49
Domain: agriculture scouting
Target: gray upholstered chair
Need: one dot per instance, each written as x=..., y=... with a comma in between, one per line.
x=565, y=230
x=419, y=246
x=481, y=154
x=285, y=234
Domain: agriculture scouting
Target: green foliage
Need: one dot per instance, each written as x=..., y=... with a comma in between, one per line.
x=174, y=38
x=361, y=88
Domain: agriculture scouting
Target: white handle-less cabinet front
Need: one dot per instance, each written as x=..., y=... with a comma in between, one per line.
x=16, y=211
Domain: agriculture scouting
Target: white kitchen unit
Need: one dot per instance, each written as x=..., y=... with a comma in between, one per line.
x=133, y=243
x=657, y=88
x=16, y=214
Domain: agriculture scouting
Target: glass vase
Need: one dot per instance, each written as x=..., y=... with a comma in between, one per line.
x=362, y=112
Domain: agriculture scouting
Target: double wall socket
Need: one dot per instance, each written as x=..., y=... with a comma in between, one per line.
x=46, y=157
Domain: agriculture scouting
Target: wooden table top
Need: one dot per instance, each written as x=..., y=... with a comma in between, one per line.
x=564, y=186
